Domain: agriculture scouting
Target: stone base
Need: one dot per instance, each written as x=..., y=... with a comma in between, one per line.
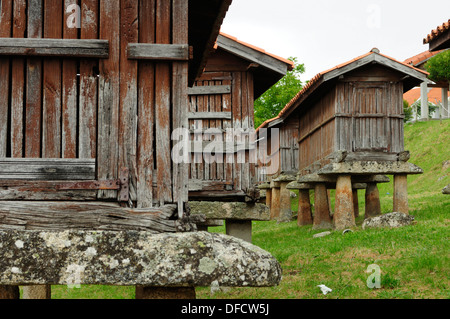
x=240, y=229
x=132, y=258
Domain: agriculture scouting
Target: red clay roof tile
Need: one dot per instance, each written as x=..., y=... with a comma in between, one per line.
x=437, y=32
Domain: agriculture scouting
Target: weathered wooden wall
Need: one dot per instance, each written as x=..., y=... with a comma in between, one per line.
x=317, y=130
x=113, y=107
x=223, y=98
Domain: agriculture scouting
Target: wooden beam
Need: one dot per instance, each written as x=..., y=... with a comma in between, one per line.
x=150, y=51
x=55, y=47
x=210, y=115
x=210, y=90
x=47, y=169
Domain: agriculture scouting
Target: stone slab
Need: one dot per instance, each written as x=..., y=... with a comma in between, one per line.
x=370, y=167
x=231, y=210
x=133, y=258
x=446, y=190
x=390, y=220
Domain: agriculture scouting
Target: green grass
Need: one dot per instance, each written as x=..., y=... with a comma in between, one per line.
x=414, y=260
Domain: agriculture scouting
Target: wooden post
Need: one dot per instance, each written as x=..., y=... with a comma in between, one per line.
x=322, y=218
x=304, y=208
x=275, y=206
x=372, y=207
x=355, y=203
x=424, y=101
x=9, y=292
x=165, y=292
x=285, y=203
x=401, y=194
x=37, y=292
x=343, y=211
x=241, y=229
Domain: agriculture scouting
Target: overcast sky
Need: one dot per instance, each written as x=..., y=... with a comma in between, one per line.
x=325, y=33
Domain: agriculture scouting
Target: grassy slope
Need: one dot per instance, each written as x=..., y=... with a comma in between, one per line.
x=414, y=260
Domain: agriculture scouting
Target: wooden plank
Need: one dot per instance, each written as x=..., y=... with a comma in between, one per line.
x=69, y=48
x=146, y=109
x=41, y=190
x=210, y=90
x=5, y=31
x=163, y=52
x=18, y=82
x=47, y=169
x=236, y=100
x=210, y=115
x=51, y=103
x=162, y=107
x=69, y=79
x=87, y=145
x=196, y=185
x=33, y=85
x=128, y=93
x=108, y=99
x=180, y=100
x=59, y=216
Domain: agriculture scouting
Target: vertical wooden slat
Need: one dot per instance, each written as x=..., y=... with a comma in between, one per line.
x=180, y=99
x=162, y=106
x=218, y=102
x=33, y=85
x=237, y=124
x=251, y=125
x=51, y=107
x=245, y=173
x=69, y=110
x=146, y=94
x=88, y=84
x=227, y=124
x=108, y=106
x=128, y=92
x=5, y=31
x=18, y=82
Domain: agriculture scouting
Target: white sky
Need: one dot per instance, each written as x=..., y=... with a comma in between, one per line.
x=325, y=33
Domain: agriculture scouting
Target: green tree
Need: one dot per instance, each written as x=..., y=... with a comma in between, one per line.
x=408, y=111
x=439, y=67
x=275, y=99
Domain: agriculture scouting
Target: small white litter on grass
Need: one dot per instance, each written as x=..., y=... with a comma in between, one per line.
x=325, y=289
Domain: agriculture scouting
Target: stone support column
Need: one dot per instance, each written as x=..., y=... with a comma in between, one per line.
x=322, y=218
x=269, y=197
x=373, y=206
x=275, y=206
x=355, y=203
x=37, y=292
x=9, y=292
x=304, y=208
x=445, y=113
x=241, y=229
x=424, y=101
x=343, y=209
x=285, y=203
x=401, y=193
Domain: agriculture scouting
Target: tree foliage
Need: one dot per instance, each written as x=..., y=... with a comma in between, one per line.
x=439, y=67
x=274, y=100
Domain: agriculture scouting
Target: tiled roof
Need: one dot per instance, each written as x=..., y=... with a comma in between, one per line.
x=288, y=62
x=315, y=80
x=421, y=58
x=437, y=32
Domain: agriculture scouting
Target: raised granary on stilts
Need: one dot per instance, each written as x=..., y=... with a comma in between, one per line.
x=91, y=92
x=350, y=130
x=222, y=136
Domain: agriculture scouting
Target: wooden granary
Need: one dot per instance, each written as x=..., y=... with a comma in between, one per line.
x=221, y=125
x=91, y=91
x=350, y=131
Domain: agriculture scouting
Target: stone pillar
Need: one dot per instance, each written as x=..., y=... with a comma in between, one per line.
x=355, y=203
x=275, y=206
x=445, y=113
x=322, y=218
x=373, y=206
x=37, y=292
x=285, y=203
x=269, y=197
x=9, y=292
x=304, y=208
x=165, y=292
x=344, y=216
x=241, y=229
x=401, y=193
x=424, y=101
